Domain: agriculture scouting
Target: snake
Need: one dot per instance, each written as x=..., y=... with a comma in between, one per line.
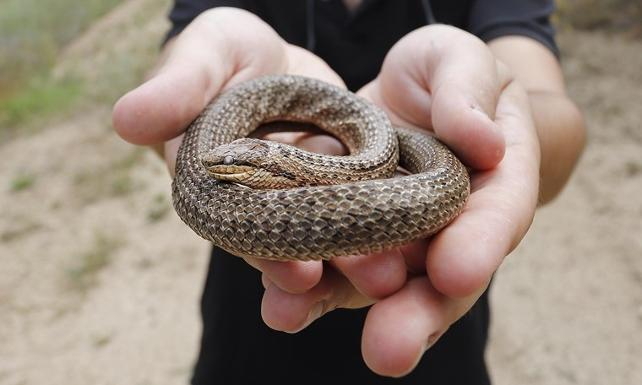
x=265, y=199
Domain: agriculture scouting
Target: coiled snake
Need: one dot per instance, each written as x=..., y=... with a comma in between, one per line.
x=241, y=193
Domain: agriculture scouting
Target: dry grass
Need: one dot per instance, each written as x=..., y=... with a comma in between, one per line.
x=67, y=62
x=22, y=181
x=113, y=178
x=624, y=16
x=83, y=272
x=32, y=33
x=19, y=230
x=159, y=208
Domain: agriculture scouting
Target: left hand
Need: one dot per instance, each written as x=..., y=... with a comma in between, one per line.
x=446, y=81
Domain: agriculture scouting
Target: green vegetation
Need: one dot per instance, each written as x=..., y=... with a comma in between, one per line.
x=52, y=64
x=109, y=180
x=614, y=15
x=158, y=209
x=22, y=182
x=82, y=273
x=37, y=83
x=32, y=32
x=101, y=340
x=42, y=96
x=19, y=230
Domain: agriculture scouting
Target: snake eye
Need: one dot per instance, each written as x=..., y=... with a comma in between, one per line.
x=228, y=160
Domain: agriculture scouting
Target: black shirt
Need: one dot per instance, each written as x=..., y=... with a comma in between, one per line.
x=236, y=346
x=354, y=45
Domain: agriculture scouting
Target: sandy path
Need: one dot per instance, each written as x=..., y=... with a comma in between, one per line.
x=100, y=281
x=568, y=303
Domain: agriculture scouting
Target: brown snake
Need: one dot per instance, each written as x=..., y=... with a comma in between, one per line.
x=333, y=211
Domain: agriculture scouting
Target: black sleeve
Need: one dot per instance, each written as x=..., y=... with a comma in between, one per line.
x=184, y=11
x=490, y=19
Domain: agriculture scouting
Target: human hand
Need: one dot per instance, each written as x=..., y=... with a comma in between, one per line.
x=220, y=48
x=446, y=81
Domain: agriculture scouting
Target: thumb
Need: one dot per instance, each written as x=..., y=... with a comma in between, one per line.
x=446, y=79
x=219, y=48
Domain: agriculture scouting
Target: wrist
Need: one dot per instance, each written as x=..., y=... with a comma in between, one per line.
x=562, y=135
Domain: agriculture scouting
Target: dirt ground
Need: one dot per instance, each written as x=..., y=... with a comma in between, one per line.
x=100, y=281
x=567, y=304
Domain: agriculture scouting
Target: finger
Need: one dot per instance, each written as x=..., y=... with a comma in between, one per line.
x=375, y=275
x=303, y=62
x=265, y=281
x=170, y=151
x=291, y=276
x=463, y=256
x=400, y=328
x=446, y=79
x=319, y=143
x=221, y=47
x=414, y=254
x=314, y=142
x=324, y=144
x=292, y=312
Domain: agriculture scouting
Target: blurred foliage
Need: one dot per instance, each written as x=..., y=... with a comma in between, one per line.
x=32, y=32
x=36, y=81
x=613, y=15
x=41, y=95
x=82, y=274
x=22, y=182
x=56, y=59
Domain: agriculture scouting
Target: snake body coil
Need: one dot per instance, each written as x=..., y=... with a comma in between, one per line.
x=313, y=221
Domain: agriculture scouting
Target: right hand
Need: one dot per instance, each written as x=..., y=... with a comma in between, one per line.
x=219, y=49
x=222, y=47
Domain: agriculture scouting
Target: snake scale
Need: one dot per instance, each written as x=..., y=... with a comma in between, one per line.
x=273, y=201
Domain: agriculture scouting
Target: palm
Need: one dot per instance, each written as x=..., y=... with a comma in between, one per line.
x=223, y=47
x=460, y=260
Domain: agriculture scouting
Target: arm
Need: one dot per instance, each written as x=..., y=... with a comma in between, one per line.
x=298, y=61
x=458, y=262
x=559, y=123
x=220, y=48
x=513, y=125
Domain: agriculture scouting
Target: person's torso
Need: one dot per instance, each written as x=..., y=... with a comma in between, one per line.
x=353, y=38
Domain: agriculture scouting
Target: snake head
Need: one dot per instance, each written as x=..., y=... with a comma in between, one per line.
x=249, y=162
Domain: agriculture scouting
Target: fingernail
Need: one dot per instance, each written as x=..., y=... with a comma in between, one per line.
x=265, y=281
x=484, y=116
x=314, y=314
x=431, y=340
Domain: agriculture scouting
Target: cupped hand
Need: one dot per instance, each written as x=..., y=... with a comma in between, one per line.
x=446, y=81
x=436, y=78
x=455, y=88
x=220, y=48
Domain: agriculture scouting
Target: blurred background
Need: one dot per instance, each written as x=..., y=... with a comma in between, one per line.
x=100, y=281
